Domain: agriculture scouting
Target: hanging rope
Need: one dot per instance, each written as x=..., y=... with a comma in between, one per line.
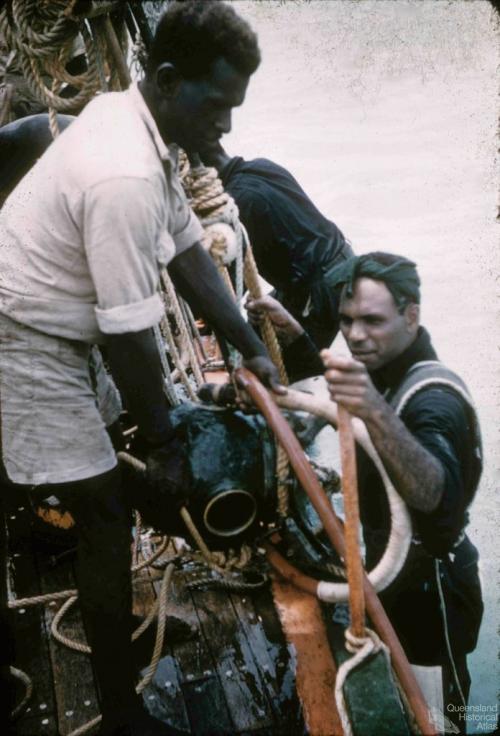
x=158, y=610
x=213, y=205
x=205, y=192
x=42, y=36
x=268, y=331
x=362, y=649
x=186, y=339
x=216, y=209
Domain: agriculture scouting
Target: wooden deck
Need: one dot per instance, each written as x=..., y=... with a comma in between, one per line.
x=233, y=675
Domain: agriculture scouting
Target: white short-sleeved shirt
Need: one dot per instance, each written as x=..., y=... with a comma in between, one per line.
x=83, y=234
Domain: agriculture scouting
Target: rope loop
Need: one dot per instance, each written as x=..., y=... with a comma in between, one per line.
x=362, y=648
x=354, y=643
x=42, y=37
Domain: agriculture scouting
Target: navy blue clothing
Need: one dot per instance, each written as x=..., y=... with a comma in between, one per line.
x=294, y=244
x=21, y=143
x=302, y=359
x=442, y=422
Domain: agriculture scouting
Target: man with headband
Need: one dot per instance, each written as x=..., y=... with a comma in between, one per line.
x=421, y=420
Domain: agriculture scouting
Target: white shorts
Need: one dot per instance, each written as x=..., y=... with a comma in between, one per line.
x=56, y=400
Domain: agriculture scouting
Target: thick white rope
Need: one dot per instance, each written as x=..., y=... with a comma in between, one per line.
x=398, y=545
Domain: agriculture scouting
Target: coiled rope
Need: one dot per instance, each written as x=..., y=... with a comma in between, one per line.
x=42, y=37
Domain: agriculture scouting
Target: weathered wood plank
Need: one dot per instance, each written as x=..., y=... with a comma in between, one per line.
x=284, y=655
x=163, y=696
x=30, y=635
x=302, y=622
x=272, y=655
x=41, y=725
x=235, y=677
x=241, y=680
x=76, y=695
x=207, y=707
x=204, y=696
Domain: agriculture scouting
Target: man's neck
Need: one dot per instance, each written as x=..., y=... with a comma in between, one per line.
x=149, y=96
x=419, y=349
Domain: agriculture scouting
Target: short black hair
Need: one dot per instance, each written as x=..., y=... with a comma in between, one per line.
x=404, y=294
x=192, y=34
x=384, y=258
x=397, y=272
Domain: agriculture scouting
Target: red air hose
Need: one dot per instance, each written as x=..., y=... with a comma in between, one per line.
x=308, y=480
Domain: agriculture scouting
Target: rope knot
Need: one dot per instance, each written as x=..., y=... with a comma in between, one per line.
x=371, y=641
x=361, y=647
x=221, y=241
x=205, y=191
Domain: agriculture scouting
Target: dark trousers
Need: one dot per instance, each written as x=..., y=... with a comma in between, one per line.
x=439, y=625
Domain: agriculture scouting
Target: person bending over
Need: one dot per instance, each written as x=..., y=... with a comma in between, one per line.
x=295, y=246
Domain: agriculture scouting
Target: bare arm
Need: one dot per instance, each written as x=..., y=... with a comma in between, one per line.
x=300, y=354
x=136, y=368
x=287, y=328
x=415, y=472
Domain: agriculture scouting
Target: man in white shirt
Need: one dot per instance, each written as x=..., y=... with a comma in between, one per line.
x=82, y=239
